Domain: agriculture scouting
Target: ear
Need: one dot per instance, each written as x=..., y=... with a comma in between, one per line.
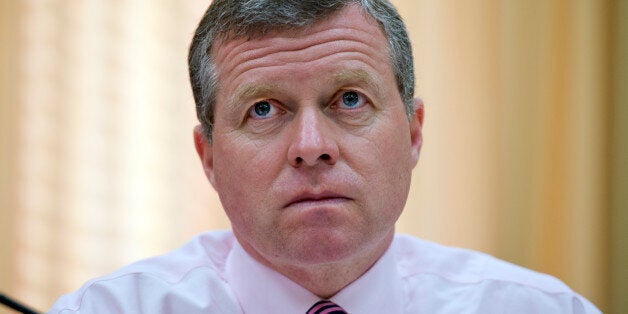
x=416, y=129
x=205, y=153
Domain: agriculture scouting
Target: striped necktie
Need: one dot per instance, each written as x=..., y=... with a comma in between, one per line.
x=325, y=307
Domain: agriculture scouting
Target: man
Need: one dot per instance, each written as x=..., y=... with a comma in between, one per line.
x=309, y=133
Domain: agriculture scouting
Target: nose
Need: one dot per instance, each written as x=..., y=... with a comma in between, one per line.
x=314, y=141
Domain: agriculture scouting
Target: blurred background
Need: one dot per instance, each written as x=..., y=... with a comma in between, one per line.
x=525, y=154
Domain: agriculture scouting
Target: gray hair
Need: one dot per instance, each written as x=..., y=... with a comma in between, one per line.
x=232, y=19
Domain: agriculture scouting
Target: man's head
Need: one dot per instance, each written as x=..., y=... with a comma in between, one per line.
x=228, y=19
x=313, y=146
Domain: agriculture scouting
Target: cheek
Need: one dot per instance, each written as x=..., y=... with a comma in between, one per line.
x=243, y=174
x=386, y=151
x=388, y=174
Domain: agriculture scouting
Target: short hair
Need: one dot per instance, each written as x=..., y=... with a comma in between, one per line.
x=233, y=19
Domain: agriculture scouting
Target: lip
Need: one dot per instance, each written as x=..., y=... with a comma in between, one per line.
x=316, y=199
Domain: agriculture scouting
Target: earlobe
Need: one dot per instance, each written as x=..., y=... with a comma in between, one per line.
x=205, y=153
x=416, y=129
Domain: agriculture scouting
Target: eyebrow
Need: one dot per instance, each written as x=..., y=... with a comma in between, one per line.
x=249, y=91
x=359, y=77
x=343, y=77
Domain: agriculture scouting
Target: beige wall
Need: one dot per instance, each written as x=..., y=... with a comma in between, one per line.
x=619, y=161
x=98, y=166
x=515, y=159
x=8, y=208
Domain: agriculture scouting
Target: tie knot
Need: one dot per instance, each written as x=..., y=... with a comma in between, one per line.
x=325, y=307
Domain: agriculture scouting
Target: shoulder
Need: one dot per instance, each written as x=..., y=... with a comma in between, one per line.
x=417, y=256
x=465, y=275
x=190, y=277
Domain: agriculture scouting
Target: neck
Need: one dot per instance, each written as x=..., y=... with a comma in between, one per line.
x=327, y=279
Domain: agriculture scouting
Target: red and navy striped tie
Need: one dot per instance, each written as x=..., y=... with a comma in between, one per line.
x=325, y=307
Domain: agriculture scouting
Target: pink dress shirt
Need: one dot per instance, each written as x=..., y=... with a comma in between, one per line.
x=213, y=274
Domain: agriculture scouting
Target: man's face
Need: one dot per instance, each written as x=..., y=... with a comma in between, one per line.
x=312, y=149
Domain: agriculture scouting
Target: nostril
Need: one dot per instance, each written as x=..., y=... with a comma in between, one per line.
x=299, y=160
x=325, y=157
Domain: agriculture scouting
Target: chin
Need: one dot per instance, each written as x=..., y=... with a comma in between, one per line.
x=326, y=246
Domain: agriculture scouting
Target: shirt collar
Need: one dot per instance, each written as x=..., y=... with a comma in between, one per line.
x=260, y=289
x=379, y=290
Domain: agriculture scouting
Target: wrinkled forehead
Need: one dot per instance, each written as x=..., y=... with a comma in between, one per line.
x=348, y=48
x=349, y=17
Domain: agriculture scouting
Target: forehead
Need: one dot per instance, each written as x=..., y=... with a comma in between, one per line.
x=347, y=30
x=350, y=16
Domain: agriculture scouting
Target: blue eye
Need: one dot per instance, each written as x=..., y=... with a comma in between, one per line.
x=352, y=99
x=262, y=110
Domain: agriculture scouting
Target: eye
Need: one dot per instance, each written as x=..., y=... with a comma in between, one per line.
x=351, y=99
x=262, y=110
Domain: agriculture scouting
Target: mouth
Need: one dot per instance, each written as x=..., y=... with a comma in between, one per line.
x=306, y=200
